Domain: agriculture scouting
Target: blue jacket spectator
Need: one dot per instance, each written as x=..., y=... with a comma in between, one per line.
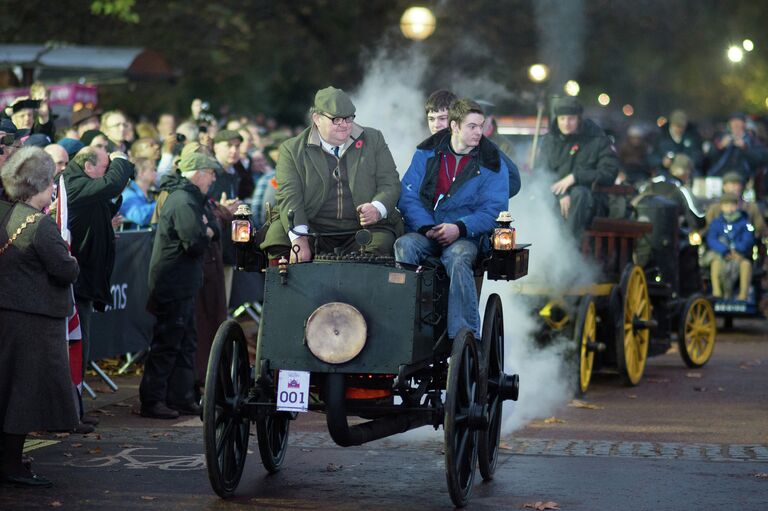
x=138, y=205
x=726, y=234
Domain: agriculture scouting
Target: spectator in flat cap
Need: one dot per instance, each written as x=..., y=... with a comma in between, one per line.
x=23, y=115
x=736, y=150
x=733, y=183
x=678, y=136
x=175, y=276
x=581, y=156
x=335, y=176
x=86, y=119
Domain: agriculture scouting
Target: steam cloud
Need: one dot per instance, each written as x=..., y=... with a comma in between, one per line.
x=391, y=99
x=561, y=28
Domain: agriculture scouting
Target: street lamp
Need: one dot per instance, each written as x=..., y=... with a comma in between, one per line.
x=572, y=88
x=735, y=54
x=417, y=23
x=603, y=99
x=748, y=45
x=538, y=73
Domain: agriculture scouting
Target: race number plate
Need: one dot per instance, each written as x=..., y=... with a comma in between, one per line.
x=292, y=391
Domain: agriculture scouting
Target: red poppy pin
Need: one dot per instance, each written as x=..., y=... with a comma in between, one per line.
x=574, y=149
x=358, y=144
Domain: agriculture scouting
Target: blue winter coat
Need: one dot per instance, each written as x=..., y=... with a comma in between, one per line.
x=724, y=236
x=472, y=202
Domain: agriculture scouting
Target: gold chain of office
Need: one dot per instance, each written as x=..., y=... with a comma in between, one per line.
x=27, y=221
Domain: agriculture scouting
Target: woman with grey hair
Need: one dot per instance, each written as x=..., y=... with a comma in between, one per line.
x=36, y=271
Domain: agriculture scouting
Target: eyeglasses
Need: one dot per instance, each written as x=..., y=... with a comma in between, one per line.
x=338, y=120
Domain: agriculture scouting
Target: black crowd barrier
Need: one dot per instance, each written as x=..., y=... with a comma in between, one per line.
x=126, y=326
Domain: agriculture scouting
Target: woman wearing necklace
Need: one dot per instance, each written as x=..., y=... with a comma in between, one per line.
x=36, y=273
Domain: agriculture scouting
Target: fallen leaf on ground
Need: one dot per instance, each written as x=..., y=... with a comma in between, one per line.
x=657, y=380
x=577, y=403
x=760, y=475
x=504, y=445
x=67, y=454
x=146, y=497
x=155, y=435
x=123, y=405
x=34, y=433
x=94, y=451
x=700, y=389
x=720, y=389
x=332, y=467
x=541, y=506
x=76, y=445
x=306, y=450
x=96, y=436
x=631, y=396
x=56, y=503
x=61, y=435
x=553, y=420
x=693, y=375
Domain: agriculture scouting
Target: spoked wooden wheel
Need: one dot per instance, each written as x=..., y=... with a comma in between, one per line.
x=272, y=433
x=585, y=336
x=225, y=425
x=463, y=411
x=492, y=364
x=698, y=329
x=633, y=322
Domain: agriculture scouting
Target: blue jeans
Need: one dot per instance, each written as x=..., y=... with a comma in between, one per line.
x=458, y=258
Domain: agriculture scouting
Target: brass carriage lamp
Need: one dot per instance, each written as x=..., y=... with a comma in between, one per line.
x=504, y=236
x=241, y=225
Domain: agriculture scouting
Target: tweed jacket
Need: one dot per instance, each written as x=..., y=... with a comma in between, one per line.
x=302, y=175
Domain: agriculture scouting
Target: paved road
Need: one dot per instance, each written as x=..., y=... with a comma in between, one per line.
x=683, y=439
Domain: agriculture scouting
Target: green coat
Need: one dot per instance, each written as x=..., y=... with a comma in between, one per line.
x=302, y=175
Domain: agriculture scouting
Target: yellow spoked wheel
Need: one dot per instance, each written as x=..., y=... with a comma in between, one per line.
x=632, y=324
x=698, y=329
x=585, y=336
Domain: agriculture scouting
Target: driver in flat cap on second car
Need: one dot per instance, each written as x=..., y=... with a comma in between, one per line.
x=335, y=176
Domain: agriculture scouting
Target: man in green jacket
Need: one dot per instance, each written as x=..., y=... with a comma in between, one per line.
x=334, y=176
x=175, y=276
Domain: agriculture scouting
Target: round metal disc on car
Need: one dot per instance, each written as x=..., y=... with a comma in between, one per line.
x=336, y=332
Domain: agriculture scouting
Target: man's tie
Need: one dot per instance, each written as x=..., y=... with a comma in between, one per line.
x=336, y=151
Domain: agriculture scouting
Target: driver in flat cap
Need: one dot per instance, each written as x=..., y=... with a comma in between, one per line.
x=335, y=176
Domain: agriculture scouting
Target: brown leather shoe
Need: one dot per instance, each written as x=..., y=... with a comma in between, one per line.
x=158, y=411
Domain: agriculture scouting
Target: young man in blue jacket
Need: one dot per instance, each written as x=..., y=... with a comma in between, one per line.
x=451, y=195
x=730, y=237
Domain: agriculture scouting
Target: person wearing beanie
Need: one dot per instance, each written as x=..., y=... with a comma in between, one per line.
x=335, y=176
x=733, y=182
x=581, y=156
x=175, y=276
x=730, y=238
x=678, y=136
x=96, y=138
